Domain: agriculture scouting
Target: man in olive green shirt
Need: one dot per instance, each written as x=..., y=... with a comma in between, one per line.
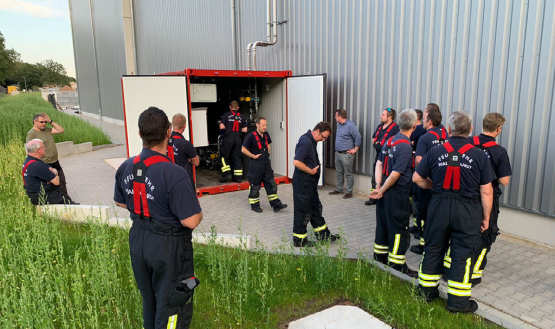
x=40, y=131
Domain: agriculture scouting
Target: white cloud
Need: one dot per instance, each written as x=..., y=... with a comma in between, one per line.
x=36, y=8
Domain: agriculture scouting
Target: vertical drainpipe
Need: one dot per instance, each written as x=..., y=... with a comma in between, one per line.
x=95, y=61
x=234, y=36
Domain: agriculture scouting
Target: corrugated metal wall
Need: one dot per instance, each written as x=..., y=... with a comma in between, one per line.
x=99, y=55
x=85, y=61
x=477, y=55
x=174, y=35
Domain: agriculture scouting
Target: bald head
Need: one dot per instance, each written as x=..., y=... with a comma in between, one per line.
x=179, y=122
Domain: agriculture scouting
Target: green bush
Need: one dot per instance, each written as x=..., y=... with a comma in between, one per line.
x=16, y=115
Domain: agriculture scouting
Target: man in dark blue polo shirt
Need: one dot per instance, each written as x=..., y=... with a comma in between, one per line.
x=347, y=142
x=308, y=207
x=257, y=147
x=459, y=176
x=39, y=177
x=497, y=154
x=184, y=153
x=394, y=171
x=234, y=125
x=436, y=135
x=384, y=130
x=165, y=210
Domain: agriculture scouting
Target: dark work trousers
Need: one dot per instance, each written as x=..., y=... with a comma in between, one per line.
x=374, y=169
x=414, y=205
x=231, y=155
x=260, y=171
x=51, y=197
x=308, y=207
x=392, y=227
x=488, y=238
x=424, y=197
x=161, y=257
x=459, y=219
x=63, y=189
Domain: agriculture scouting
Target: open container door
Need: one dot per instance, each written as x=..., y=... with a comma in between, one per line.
x=305, y=108
x=168, y=93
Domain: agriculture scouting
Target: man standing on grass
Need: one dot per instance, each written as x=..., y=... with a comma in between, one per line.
x=44, y=133
x=459, y=176
x=165, y=210
x=347, y=142
x=39, y=177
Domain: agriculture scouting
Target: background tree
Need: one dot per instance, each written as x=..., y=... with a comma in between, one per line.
x=8, y=60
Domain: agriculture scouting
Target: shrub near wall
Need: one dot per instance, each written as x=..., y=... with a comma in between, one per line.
x=16, y=116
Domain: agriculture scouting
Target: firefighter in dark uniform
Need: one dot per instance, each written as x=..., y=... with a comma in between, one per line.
x=385, y=129
x=165, y=210
x=436, y=135
x=38, y=177
x=308, y=207
x=459, y=176
x=257, y=147
x=414, y=137
x=234, y=124
x=497, y=154
x=181, y=151
x=394, y=170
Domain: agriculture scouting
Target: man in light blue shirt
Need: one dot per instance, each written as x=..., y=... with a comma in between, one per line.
x=347, y=142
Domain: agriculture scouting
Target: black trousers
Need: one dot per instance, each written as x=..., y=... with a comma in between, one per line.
x=392, y=227
x=488, y=238
x=63, y=188
x=459, y=219
x=260, y=171
x=374, y=170
x=51, y=197
x=308, y=207
x=161, y=257
x=424, y=198
x=231, y=155
x=414, y=205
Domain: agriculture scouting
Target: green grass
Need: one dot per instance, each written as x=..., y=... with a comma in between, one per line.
x=16, y=115
x=55, y=274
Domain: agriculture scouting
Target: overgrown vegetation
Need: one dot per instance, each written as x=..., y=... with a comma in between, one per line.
x=16, y=115
x=55, y=274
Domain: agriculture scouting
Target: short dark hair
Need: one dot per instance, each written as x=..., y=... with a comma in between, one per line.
x=257, y=120
x=492, y=121
x=435, y=116
x=432, y=106
x=341, y=113
x=418, y=114
x=390, y=113
x=234, y=104
x=37, y=116
x=323, y=126
x=153, y=126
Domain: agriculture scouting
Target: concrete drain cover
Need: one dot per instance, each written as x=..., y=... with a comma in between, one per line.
x=339, y=317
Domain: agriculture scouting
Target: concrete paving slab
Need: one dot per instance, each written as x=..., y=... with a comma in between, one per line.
x=115, y=163
x=339, y=317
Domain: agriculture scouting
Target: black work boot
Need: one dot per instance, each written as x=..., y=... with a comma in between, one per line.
x=428, y=296
x=470, y=308
x=417, y=249
x=380, y=258
x=405, y=270
x=257, y=209
x=280, y=207
x=413, y=230
x=299, y=243
x=370, y=202
x=224, y=179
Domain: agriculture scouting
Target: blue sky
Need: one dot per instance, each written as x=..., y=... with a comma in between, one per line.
x=38, y=30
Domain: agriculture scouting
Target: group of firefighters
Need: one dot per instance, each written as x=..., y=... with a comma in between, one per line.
x=454, y=181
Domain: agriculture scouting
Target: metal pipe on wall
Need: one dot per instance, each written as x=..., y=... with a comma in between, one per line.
x=270, y=40
x=234, y=36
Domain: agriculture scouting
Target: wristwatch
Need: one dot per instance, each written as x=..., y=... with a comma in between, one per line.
x=51, y=121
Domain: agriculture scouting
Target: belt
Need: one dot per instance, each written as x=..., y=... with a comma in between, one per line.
x=342, y=152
